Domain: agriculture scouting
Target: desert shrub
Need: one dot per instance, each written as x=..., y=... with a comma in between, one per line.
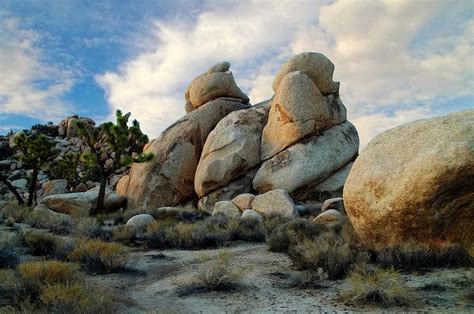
x=383, y=287
x=274, y=221
x=97, y=256
x=14, y=212
x=217, y=272
x=249, y=230
x=305, y=279
x=328, y=252
x=40, y=243
x=57, y=224
x=55, y=287
x=125, y=234
x=89, y=228
x=8, y=258
x=292, y=233
x=414, y=256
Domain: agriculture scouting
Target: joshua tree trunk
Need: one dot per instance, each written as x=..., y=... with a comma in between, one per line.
x=101, y=196
x=32, y=189
x=12, y=189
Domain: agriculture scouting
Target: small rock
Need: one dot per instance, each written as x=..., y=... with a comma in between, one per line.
x=275, y=202
x=141, y=221
x=227, y=208
x=20, y=183
x=330, y=218
x=244, y=201
x=336, y=203
x=251, y=215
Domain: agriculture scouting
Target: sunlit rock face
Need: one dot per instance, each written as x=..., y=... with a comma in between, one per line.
x=415, y=182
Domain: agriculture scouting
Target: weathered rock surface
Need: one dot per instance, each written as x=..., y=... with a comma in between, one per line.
x=140, y=222
x=251, y=214
x=80, y=204
x=336, y=203
x=227, y=208
x=213, y=84
x=54, y=187
x=231, y=150
x=415, y=182
x=275, y=202
x=228, y=192
x=316, y=65
x=331, y=218
x=309, y=162
x=169, y=179
x=298, y=110
x=244, y=201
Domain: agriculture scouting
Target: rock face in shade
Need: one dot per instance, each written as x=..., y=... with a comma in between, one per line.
x=231, y=150
x=169, y=178
x=315, y=65
x=228, y=192
x=309, y=162
x=215, y=83
x=415, y=182
x=298, y=110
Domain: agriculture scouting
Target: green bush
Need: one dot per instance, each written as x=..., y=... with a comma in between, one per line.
x=249, y=230
x=8, y=258
x=40, y=243
x=55, y=223
x=292, y=233
x=14, y=212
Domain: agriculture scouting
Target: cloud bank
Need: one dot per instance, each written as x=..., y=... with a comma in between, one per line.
x=28, y=85
x=393, y=65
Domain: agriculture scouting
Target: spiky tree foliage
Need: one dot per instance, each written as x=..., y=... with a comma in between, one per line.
x=125, y=143
x=35, y=151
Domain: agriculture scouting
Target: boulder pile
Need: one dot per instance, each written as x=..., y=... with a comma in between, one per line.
x=299, y=142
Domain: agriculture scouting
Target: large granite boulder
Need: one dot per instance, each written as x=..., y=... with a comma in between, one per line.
x=217, y=82
x=298, y=110
x=231, y=150
x=168, y=179
x=415, y=182
x=309, y=162
x=53, y=187
x=316, y=65
x=80, y=204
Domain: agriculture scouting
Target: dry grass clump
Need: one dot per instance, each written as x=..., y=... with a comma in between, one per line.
x=54, y=287
x=97, y=256
x=292, y=233
x=89, y=228
x=216, y=272
x=329, y=253
x=125, y=234
x=57, y=224
x=382, y=287
x=40, y=243
x=414, y=256
x=248, y=230
x=13, y=213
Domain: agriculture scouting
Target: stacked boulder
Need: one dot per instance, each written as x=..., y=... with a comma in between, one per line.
x=168, y=180
x=299, y=142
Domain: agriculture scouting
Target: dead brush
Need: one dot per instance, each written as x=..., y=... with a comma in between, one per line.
x=216, y=272
x=378, y=286
x=97, y=256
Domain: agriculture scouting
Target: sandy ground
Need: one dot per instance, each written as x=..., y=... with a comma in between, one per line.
x=155, y=287
x=153, y=283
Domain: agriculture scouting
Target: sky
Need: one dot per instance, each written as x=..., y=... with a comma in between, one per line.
x=397, y=61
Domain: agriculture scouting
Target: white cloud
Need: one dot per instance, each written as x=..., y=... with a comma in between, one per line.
x=384, y=80
x=29, y=86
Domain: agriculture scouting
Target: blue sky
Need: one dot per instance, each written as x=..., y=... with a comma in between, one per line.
x=397, y=61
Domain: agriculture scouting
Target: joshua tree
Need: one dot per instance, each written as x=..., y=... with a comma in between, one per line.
x=12, y=189
x=36, y=150
x=112, y=146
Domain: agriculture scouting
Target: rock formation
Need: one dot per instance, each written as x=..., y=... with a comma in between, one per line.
x=415, y=182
